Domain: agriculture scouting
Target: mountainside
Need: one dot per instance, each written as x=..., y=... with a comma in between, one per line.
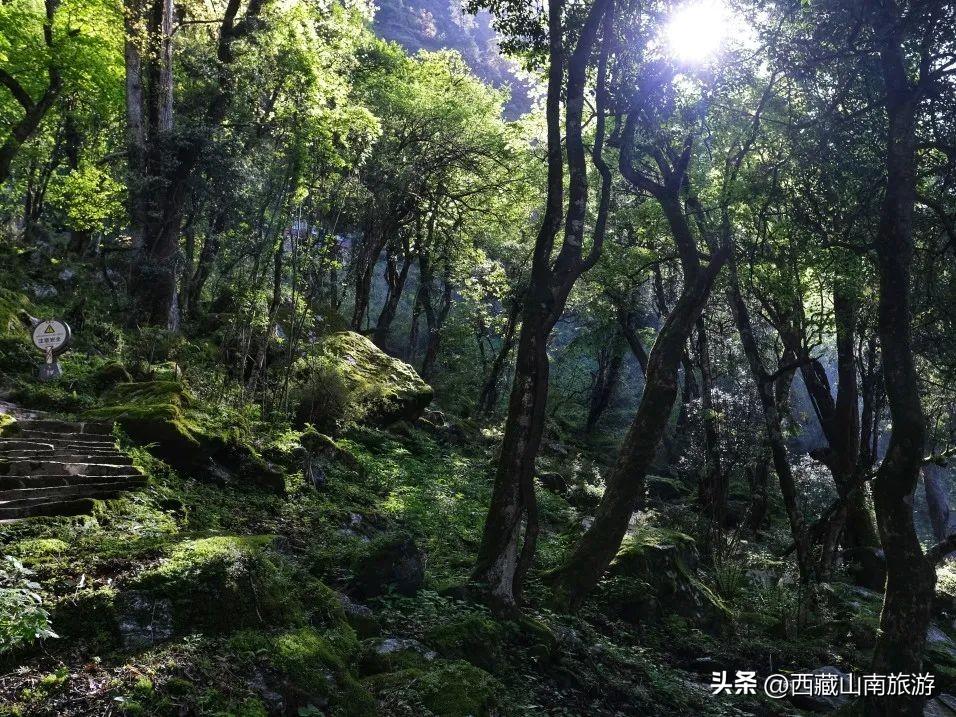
x=442, y=24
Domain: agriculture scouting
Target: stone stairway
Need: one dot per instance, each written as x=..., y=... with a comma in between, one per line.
x=51, y=467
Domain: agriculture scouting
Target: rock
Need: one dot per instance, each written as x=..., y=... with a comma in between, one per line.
x=706, y=665
x=761, y=578
x=109, y=375
x=359, y=616
x=554, y=481
x=557, y=448
x=388, y=654
x=158, y=415
x=943, y=705
x=867, y=567
x=940, y=657
x=224, y=583
x=43, y=291
x=664, y=489
x=655, y=573
x=143, y=619
x=434, y=416
x=475, y=639
x=67, y=275
x=390, y=562
x=445, y=688
x=825, y=703
x=935, y=636
x=380, y=389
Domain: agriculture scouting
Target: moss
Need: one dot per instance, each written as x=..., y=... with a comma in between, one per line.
x=223, y=583
x=39, y=547
x=475, y=638
x=5, y=420
x=446, y=689
x=361, y=382
x=151, y=412
x=655, y=575
x=110, y=375
x=88, y=615
x=160, y=415
x=392, y=655
x=13, y=308
x=316, y=664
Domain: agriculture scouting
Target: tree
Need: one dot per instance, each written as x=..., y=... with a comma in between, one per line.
x=511, y=527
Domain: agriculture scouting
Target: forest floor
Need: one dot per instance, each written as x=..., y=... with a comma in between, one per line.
x=250, y=620
x=226, y=594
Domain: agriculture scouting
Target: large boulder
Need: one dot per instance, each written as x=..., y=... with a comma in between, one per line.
x=654, y=575
x=352, y=377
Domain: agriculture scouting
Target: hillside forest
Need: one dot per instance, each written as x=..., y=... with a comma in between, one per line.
x=578, y=357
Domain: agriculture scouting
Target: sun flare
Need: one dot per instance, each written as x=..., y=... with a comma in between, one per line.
x=696, y=31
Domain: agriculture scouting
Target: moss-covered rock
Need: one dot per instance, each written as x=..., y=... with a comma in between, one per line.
x=654, y=575
x=109, y=375
x=88, y=615
x=360, y=382
x=390, y=562
x=475, y=638
x=313, y=668
x=391, y=654
x=446, y=689
x=224, y=583
x=158, y=414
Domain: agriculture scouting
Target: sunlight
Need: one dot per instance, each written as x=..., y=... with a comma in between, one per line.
x=696, y=31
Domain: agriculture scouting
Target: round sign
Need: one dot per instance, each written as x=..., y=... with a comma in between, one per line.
x=52, y=334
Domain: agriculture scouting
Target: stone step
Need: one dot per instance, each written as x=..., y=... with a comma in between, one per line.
x=15, y=497
x=70, y=507
x=18, y=444
x=48, y=448
x=48, y=480
x=44, y=467
x=113, y=457
x=49, y=425
x=59, y=438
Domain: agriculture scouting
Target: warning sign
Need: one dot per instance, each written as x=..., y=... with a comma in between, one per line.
x=51, y=335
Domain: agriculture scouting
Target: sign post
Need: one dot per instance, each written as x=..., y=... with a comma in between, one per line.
x=52, y=337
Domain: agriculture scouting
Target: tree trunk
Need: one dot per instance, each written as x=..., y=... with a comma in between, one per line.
x=910, y=578
x=610, y=359
x=434, y=321
x=395, y=278
x=372, y=246
x=714, y=487
x=34, y=111
x=937, y=502
x=511, y=528
x=488, y=398
x=625, y=486
x=773, y=422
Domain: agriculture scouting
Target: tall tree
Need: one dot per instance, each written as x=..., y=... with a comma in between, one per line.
x=511, y=527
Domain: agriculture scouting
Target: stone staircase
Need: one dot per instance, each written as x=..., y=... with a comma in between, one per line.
x=51, y=467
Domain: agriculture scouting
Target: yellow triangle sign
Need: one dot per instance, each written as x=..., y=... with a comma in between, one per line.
x=50, y=329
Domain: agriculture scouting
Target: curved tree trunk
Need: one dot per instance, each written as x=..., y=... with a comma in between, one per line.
x=625, y=486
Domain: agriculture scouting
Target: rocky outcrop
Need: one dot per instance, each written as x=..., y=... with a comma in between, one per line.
x=389, y=562
x=159, y=414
